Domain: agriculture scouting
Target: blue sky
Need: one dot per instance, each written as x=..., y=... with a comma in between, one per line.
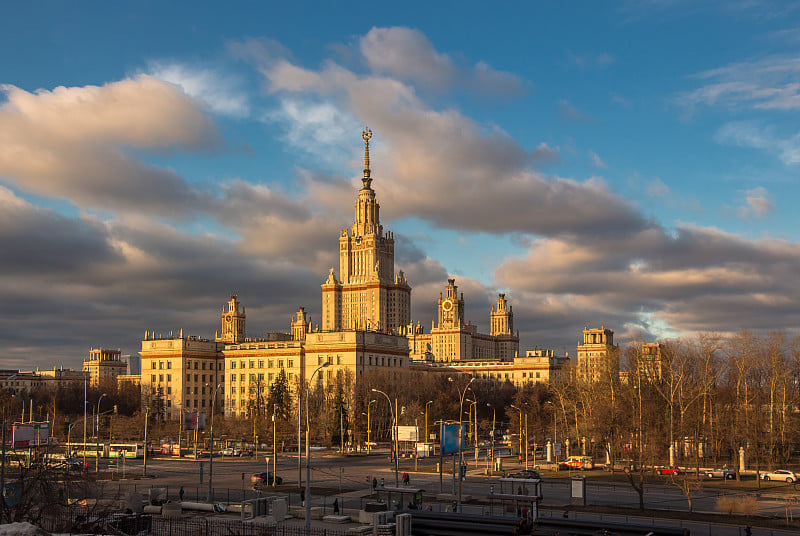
x=624, y=164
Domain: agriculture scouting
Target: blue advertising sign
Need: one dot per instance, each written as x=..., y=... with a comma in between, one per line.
x=450, y=438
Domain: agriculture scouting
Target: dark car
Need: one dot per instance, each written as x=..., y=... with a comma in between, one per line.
x=525, y=473
x=265, y=479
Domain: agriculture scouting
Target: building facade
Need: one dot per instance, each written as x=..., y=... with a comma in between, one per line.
x=104, y=366
x=451, y=339
x=598, y=356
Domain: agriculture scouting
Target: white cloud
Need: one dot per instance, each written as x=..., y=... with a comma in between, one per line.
x=407, y=54
x=570, y=113
x=757, y=204
x=771, y=83
x=424, y=156
x=753, y=135
x=222, y=92
x=70, y=143
x=597, y=161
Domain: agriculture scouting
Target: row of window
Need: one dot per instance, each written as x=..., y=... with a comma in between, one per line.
x=270, y=363
x=197, y=364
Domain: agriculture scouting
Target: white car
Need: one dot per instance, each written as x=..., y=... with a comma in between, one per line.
x=781, y=475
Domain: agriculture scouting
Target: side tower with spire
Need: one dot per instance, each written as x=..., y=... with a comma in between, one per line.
x=367, y=295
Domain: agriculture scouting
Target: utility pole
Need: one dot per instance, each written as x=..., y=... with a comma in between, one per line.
x=144, y=466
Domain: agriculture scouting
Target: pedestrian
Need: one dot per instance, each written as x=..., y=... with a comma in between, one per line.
x=180, y=494
x=374, y=483
x=336, y=506
x=302, y=497
x=405, y=479
x=748, y=531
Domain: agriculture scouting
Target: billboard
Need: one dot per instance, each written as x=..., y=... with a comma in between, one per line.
x=407, y=433
x=194, y=421
x=31, y=434
x=451, y=442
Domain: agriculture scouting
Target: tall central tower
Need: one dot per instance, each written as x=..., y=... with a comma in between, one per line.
x=368, y=295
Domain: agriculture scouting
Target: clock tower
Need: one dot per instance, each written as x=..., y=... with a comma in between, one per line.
x=451, y=307
x=233, y=322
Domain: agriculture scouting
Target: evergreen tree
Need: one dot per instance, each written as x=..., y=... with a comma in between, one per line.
x=279, y=397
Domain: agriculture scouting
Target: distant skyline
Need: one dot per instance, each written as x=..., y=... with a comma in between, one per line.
x=630, y=165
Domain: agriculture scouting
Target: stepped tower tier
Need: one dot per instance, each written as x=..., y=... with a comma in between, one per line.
x=367, y=295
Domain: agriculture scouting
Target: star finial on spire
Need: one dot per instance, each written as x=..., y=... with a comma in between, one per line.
x=366, y=135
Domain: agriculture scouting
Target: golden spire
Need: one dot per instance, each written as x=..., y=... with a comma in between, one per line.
x=366, y=135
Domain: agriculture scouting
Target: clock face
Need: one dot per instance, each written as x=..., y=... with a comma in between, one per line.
x=228, y=318
x=447, y=305
x=358, y=240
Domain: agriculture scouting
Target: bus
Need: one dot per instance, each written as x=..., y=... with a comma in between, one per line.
x=130, y=450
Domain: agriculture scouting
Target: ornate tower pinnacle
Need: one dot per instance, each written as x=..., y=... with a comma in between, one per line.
x=366, y=135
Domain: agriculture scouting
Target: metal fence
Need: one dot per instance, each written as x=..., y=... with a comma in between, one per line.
x=87, y=521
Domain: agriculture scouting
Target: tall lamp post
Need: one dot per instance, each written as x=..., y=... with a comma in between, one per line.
x=211, y=449
x=494, y=416
x=520, y=430
x=394, y=432
x=461, y=436
x=308, y=449
x=425, y=439
x=97, y=435
x=274, y=447
x=369, y=426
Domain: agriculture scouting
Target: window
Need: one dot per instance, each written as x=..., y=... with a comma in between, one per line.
x=204, y=365
x=188, y=390
x=271, y=375
x=204, y=378
x=233, y=364
x=338, y=360
x=203, y=390
x=233, y=377
x=195, y=403
x=195, y=368
x=280, y=363
x=241, y=390
x=252, y=364
x=153, y=364
x=290, y=364
x=203, y=403
x=169, y=364
x=169, y=377
x=160, y=377
x=261, y=377
x=242, y=364
x=169, y=390
x=153, y=378
x=161, y=364
x=195, y=390
x=195, y=377
x=188, y=364
x=252, y=377
x=261, y=363
x=188, y=377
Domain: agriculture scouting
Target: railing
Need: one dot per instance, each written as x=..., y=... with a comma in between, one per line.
x=87, y=521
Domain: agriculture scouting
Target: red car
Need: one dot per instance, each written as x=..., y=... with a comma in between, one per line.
x=671, y=470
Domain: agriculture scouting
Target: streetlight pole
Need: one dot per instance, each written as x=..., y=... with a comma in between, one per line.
x=211, y=449
x=308, y=449
x=97, y=436
x=274, y=447
x=369, y=445
x=83, y=448
x=494, y=416
x=461, y=436
x=520, y=430
x=393, y=413
x=144, y=465
x=425, y=439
